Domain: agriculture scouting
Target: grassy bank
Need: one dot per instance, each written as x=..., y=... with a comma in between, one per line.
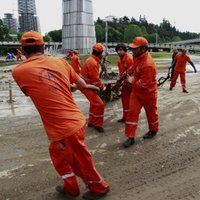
x=114, y=57
x=159, y=56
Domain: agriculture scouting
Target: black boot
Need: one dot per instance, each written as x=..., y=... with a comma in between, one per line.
x=149, y=135
x=121, y=120
x=129, y=142
x=99, y=129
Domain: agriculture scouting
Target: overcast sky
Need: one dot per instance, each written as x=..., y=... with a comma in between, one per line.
x=181, y=14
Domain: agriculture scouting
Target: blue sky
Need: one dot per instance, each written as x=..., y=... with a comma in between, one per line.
x=183, y=15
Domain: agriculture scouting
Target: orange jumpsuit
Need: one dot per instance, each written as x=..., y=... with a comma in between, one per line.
x=180, y=68
x=46, y=80
x=125, y=63
x=75, y=63
x=143, y=95
x=19, y=55
x=90, y=73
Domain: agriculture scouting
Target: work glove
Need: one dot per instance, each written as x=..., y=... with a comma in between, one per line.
x=130, y=78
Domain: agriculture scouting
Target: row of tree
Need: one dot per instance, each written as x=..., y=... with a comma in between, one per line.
x=120, y=30
x=124, y=29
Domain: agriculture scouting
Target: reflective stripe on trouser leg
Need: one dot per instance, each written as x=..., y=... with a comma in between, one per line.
x=82, y=162
x=60, y=161
x=97, y=184
x=68, y=175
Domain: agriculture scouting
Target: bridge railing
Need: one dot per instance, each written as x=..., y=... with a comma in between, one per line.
x=165, y=46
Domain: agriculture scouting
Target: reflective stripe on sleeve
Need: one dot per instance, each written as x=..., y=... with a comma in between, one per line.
x=142, y=85
x=85, y=78
x=96, y=83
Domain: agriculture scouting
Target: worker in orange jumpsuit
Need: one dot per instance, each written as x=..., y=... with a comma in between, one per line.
x=125, y=63
x=75, y=62
x=179, y=66
x=19, y=55
x=144, y=92
x=90, y=73
x=69, y=55
x=103, y=73
x=47, y=81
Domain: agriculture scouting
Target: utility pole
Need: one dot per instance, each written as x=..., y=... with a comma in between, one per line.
x=106, y=36
x=106, y=20
x=156, y=38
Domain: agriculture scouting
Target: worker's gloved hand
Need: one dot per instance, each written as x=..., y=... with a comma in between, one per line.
x=130, y=78
x=102, y=89
x=73, y=87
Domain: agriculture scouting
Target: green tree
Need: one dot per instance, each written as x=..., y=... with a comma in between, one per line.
x=100, y=33
x=131, y=31
x=176, y=38
x=47, y=38
x=56, y=35
x=114, y=35
x=4, y=32
x=153, y=38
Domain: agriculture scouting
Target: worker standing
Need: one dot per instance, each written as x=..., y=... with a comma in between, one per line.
x=75, y=62
x=90, y=73
x=125, y=64
x=174, y=52
x=47, y=81
x=144, y=92
x=69, y=54
x=19, y=55
x=179, y=65
x=104, y=61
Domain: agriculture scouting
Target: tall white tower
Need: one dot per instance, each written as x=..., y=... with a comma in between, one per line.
x=28, y=19
x=78, y=25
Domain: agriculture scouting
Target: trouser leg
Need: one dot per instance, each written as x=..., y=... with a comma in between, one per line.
x=151, y=113
x=62, y=166
x=173, y=82
x=83, y=164
x=125, y=97
x=183, y=80
x=96, y=115
x=132, y=116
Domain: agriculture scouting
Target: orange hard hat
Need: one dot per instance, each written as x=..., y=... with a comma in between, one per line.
x=32, y=38
x=138, y=42
x=98, y=47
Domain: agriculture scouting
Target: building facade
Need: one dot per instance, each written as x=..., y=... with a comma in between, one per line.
x=78, y=31
x=10, y=22
x=28, y=19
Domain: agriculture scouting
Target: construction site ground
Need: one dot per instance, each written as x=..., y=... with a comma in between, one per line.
x=164, y=168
